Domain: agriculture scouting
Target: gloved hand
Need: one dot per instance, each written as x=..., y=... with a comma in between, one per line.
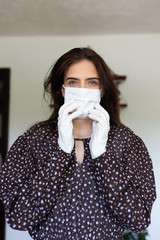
x=67, y=113
x=100, y=130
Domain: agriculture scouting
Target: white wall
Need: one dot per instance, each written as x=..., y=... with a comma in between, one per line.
x=137, y=56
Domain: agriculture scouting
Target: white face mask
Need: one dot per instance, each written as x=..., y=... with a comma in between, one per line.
x=85, y=97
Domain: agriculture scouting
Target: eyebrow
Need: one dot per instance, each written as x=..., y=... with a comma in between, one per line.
x=73, y=78
x=93, y=78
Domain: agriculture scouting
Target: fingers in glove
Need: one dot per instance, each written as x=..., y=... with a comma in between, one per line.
x=99, y=114
x=101, y=110
x=95, y=115
x=74, y=115
x=67, y=108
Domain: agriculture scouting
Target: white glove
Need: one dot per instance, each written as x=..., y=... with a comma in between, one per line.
x=100, y=130
x=67, y=113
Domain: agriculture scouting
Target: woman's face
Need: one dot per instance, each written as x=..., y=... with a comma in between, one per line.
x=82, y=74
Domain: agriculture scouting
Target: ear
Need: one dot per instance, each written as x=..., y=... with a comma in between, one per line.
x=102, y=93
x=63, y=91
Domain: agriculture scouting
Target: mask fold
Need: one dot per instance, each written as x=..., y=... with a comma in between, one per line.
x=85, y=97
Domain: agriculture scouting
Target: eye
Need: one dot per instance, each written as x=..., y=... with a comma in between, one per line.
x=71, y=82
x=92, y=83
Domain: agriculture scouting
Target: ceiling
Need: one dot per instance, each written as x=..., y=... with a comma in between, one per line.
x=78, y=17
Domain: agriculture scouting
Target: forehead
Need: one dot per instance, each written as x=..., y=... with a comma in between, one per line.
x=82, y=67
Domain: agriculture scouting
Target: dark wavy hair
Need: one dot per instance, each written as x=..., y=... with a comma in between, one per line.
x=53, y=83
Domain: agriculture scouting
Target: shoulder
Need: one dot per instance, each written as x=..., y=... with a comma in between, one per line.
x=39, y=133
x=124, y=135
x=123, y=142
x=41, y=129
x=121, y=131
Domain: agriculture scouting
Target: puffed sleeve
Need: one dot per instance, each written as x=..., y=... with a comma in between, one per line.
x=124, y=176
x=29, y=184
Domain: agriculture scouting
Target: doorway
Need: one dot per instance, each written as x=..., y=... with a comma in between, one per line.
x=4, y=119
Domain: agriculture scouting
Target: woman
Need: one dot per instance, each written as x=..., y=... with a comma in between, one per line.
x=81, y=174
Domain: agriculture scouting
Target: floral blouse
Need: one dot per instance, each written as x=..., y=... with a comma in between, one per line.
x=48, y=193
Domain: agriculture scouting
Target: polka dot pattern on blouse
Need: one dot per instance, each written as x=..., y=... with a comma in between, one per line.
x=46, y=191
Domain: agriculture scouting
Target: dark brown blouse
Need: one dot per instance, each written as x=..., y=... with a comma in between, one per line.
x=47, y=192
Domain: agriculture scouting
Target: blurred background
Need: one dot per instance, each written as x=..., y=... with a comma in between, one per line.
x=126, y=33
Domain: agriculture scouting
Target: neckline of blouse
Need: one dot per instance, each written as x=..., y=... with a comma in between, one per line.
x=82, y=139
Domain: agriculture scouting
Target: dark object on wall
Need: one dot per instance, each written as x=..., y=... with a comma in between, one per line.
x=4, y=116
x=118, y=79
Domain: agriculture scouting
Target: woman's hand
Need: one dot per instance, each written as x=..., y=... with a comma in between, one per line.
x=100, y=130
x=67, y=113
